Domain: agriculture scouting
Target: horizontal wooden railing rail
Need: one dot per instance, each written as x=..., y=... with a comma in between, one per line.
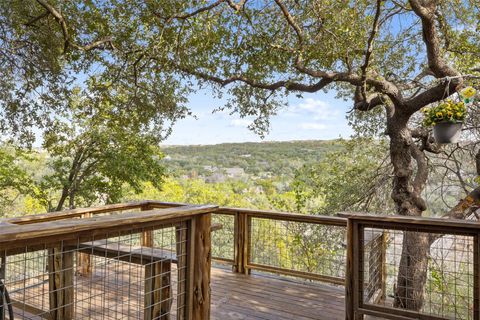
x=449, y=265
x=244, y=258
x=243, y=240
x=361, y=251
x=30, y=245
x=234, y=242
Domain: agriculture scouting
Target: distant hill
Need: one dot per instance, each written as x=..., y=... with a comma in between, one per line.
x=261, y=159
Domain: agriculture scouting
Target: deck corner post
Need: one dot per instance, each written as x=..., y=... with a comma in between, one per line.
x=349, y=276
x=201, y=267
x=241, y=242
x=476, y=276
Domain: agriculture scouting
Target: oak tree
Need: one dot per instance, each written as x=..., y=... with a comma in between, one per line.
x=392, y=58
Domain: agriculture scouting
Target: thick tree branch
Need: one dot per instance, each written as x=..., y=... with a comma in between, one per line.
x=291, y=22
x=326, y=78
x=427, y=141
x=421, y=176
x=426, y=9
x=363, y=103
x=237, y=6
x=190, y=14
x=98, y=44
x=287, y=84
x=32, y=22
x=369, y=52
x=431, y=95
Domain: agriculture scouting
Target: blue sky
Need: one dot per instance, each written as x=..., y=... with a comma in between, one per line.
x=316, y=116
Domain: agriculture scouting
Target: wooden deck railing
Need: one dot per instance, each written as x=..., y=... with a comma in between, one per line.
x=41, y=273
x=367, y=253
x=303, y=246
x=432, y=268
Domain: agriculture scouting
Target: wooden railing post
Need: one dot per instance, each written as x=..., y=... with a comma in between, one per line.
x=200, y=261
x=158, y=294
x=476, y=276
x=84, y=260
x=241, y=242
x=349, y=281
x=60, y=276
x=147, y=236
x=354, y=275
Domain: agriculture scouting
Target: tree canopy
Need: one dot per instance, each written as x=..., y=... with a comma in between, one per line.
x=391, y=58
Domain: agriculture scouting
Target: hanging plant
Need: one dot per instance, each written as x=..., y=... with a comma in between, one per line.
x=447, y=117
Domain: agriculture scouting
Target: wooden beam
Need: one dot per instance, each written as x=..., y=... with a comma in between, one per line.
x=476, y=276
x=296, y=273
x=201, y=267
x=241, y=243
x=130, y=254
x=275, y=215
x=73, y=213
x=31, y=309
x=11, y=236
x=158, y=293
x=349, y=276
x=61, y=293
x=147, y=236
x=84, y=261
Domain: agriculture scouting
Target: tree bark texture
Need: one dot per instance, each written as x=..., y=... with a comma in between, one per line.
x=406, y=193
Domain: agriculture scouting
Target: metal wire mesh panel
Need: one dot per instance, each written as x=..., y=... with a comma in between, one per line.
x=427, y=272
x=223, y=238
x=312, y=250
x=112, y=276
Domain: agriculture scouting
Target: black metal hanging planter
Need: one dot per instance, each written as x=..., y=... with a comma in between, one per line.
x=447, y=117
x=447, y=132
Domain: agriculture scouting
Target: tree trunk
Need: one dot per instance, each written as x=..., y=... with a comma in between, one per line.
x=407, y=187
x=62, y=199
x=412, y=271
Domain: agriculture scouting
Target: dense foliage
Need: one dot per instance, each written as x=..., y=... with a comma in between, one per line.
x=391, y=58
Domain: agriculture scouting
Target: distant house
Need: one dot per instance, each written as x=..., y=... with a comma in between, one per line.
x=216, y=178
x=235, y=172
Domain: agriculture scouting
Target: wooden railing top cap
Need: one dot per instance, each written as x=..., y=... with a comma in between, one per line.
x=72, y=213
x=411, y=222
x=9, y=233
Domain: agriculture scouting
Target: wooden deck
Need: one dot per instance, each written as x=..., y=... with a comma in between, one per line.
x=234, y=297
x=237, y=296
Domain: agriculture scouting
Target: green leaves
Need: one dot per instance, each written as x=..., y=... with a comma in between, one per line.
x=353, y=178
x=102, y=146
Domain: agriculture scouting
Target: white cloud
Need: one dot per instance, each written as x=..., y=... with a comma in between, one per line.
x=315, y=109
x=313, y=126
x=240, y=122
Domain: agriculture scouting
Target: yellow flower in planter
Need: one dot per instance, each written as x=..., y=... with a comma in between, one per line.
x=468, y=92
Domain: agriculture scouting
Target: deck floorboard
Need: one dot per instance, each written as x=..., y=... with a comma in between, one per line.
x=238, y=297
x=234, y=297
